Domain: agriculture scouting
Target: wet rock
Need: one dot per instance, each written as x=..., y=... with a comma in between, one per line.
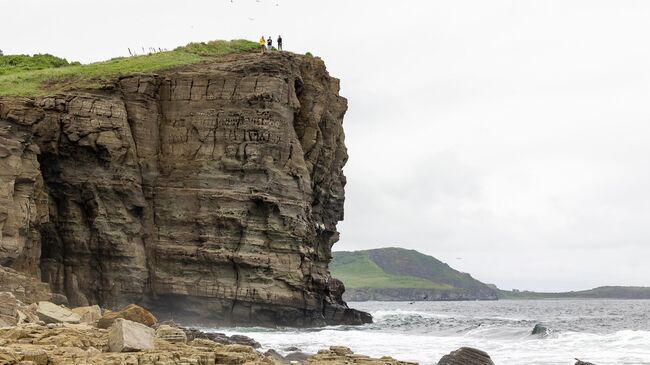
x=221, y=338
x=343, y=355
x=580, y=362
x=129, y=336
x=466, y=356
x=131, y=312
x=539, y=329
x=276, y=357
x=297, y=356
x=51, y=313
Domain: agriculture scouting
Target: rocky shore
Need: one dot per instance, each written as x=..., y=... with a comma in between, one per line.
x=44, y=333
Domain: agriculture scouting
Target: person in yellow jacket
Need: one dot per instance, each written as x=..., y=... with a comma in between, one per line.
x=262, y=44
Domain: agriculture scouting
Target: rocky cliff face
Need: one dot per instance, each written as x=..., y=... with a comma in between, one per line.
x=210, y=191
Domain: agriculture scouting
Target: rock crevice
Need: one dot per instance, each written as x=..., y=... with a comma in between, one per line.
x=210, y=191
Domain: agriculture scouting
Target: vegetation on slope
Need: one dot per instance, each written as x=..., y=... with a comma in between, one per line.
x=45, y=75
x=398, y=268
x=356, y=270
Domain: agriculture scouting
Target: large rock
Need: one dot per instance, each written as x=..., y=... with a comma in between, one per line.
x=580, y=362
x=89, y=314
x=51, y=313
x=132, y=312
x=171, y=334
x=466, y=356
x=210, y=191
x=129, y=336
x=8, y=309
x=26, y=288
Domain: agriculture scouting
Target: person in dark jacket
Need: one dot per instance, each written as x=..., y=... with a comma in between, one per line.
x=279, y=43
x=269, y=44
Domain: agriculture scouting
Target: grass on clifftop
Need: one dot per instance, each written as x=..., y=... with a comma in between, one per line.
x=46, y=75
x=356, y=270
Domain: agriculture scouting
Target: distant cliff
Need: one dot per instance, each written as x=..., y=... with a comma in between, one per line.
x=602, y=292
x=208, y=191
x=399, y=274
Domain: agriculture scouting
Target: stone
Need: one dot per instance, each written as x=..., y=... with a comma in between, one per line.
x=132, y=312
x=171, y=334
x=580, y=362
x=8, y=309
x=51, y=313
x=36, y=355
x=24, y=287
x=221, y=338
x=298, y=356
x=89, y=314
x=466, y=356
x=539, y=329
x=343, y=355
x=276, y=357
x=129, y=336
x=341, y=350
x=208, y=192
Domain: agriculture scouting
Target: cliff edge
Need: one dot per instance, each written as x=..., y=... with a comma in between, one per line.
x=204, y=192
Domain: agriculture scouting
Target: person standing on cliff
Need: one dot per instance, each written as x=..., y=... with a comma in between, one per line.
x=262, y=44
x=269, y=43
x=279, y=43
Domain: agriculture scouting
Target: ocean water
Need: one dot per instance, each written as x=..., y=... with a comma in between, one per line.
x=599, y=331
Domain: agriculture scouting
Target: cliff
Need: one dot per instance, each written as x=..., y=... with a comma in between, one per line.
x=209, y=191
x=407, y=275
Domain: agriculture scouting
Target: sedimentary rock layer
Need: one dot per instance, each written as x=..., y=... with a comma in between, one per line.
x=211, y=191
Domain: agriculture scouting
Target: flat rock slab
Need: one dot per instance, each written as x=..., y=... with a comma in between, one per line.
x=466, y=356
x=129, y=336
x=51, y=313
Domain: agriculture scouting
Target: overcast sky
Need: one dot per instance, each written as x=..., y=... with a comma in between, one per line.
x=510, y=139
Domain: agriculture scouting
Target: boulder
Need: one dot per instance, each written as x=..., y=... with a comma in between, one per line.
x=466, y=356
x=297, y=356
x=171, y=334
x=221, y=338
x=49, y=312
x=89, y=314
x=8, y=309
x=129, y=336
x=276, y=357
x=131, y=312
x=540, y=329
x=580, y=362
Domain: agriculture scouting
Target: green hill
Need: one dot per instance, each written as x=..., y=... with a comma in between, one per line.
x=400, y=274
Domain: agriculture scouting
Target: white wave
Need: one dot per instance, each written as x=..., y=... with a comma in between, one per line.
x=381, y=314
x=623, y=347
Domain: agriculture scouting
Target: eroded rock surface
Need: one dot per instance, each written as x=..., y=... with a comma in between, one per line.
x=210, y=192
x=466, y=356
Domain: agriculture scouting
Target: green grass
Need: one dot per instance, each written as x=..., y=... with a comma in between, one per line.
x=31, y=76
x=17, y=63
x=356, y=270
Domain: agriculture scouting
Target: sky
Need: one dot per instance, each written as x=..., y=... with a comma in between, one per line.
x=510, y=139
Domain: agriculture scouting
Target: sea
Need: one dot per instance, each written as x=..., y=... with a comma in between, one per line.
x=599, y=331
